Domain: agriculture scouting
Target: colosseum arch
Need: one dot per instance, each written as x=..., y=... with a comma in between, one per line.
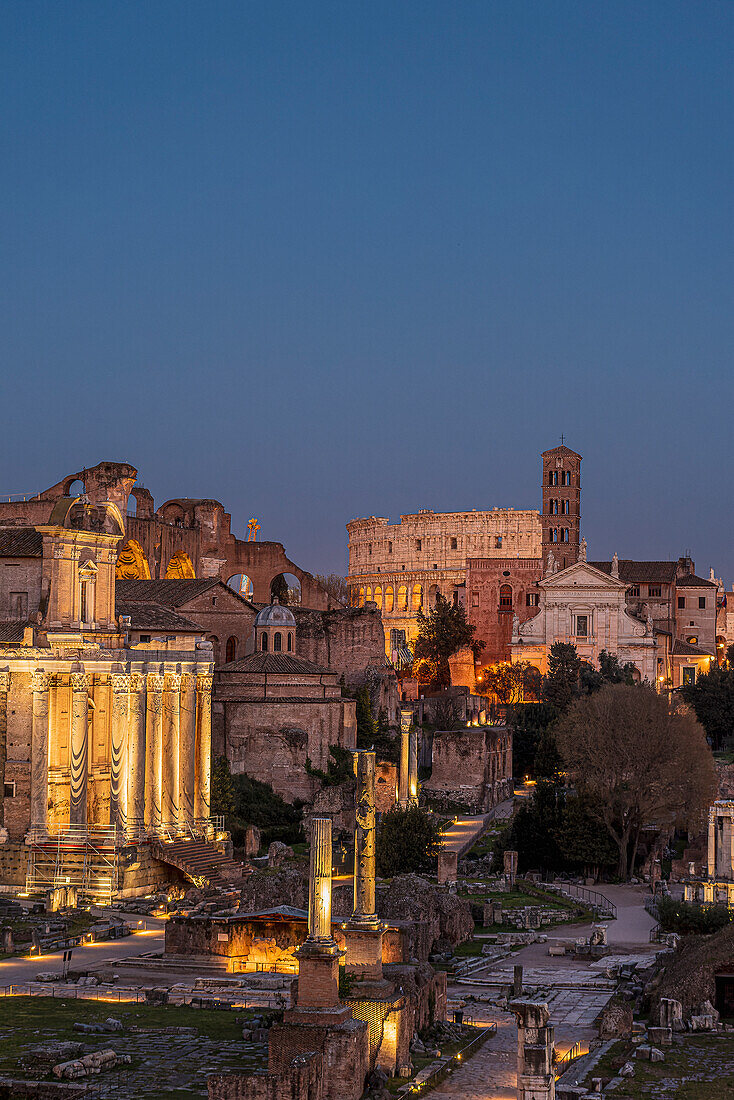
x=180, y=568
x=132, y=563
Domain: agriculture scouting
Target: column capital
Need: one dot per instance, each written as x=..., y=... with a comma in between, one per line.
x=204, y=681
x=155, y=682
x=137, y=681
x=40, y=680
x=79, y=681
x=4, y=680
x=173, y=681
x=187, y=681
x=120, y=682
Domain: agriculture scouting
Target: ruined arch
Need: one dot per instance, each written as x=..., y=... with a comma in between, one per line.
x=242, y=585
x=180, y=568
x=377, y=597
x=286, y=588
x=132, y=563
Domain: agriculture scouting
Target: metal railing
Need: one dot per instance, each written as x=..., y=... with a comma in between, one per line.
x=576, y=1051
x=449, y=1064
x=594, y=899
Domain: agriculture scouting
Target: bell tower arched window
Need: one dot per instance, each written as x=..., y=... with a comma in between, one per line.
x=277, y=642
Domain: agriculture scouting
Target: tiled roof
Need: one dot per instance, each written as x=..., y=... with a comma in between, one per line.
x=151, y=616
x=690, y=580
x=11, y=633
x=641, y=572
x=20, y=542
x=169, y=593
x=685, y=649
x=274, y=662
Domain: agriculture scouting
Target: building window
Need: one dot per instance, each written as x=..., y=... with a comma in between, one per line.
x=554, y=535
x=505, y=597
x=582, y=626
x=230, y=651
x=565, y=507
x=689, y=674
x=214, y=601
x=692, y=639
x=290, y=641
x=564, y=534
x=701, y=603
x=419, y=544
x=532, y=599
x=435, y=566
x=566, y=477
x=369, y=548
x=475, y=599
x=389, y=548
x=654, y=590
x=397, y=639
x=498, y=541
x=9, y=790
x=681, y=603
x=277, y=642
x=145, y=637
x=264, y=643
x=454, y=544
x=634, y=590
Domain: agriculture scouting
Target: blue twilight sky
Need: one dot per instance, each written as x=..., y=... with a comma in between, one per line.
x=324, y=260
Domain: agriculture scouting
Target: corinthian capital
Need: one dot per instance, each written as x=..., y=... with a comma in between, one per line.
x=173, y=681
x=4, y=681
x=40, y=680
x=155, y=683
x=204, y=683
x=79, y=681
x=120, y=682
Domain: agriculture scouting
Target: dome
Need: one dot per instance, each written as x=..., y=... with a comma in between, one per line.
x=275, y=615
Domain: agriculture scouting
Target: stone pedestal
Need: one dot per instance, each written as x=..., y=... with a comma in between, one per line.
x=510, y=867
x=448, y=862
x=535, y=1077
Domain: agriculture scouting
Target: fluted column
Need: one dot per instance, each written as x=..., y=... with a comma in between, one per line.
x=79, y=747
x=153, y=750
x=171, y=721
x=41, y=682
x=4, y=689
x=364, y=841
x=120, y=742
x=413, y=767
x=136, y=751
x=202, y=779
x=319, y=885
x=187, y=749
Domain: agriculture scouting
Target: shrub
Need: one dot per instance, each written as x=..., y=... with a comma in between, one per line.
x=407, y=841
x=691, y=917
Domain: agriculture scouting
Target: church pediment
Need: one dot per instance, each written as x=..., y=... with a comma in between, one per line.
x=581, y=575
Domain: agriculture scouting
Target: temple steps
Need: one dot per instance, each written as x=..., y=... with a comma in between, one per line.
x=199, y=860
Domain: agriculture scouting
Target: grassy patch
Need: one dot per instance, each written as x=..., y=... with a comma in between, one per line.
x=700, y=1067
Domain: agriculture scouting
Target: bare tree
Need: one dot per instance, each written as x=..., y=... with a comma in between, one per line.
x=641, y=761
x=335, y=585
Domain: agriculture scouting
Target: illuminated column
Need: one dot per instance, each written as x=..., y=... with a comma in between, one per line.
x=187, y=749
x=153, y=750
x=319, y=892
x=364, y=840
x=406, y=721
x=136, y=752
x=120, y=762
x=79, y=746
x=4, y=689
x=202, y=781
x=171, y=730
x=413, y=767
x=39, y=749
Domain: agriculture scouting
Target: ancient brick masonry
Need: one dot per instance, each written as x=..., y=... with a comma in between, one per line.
x=472, y=766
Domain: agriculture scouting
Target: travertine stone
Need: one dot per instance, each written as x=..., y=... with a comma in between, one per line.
x=364, y=840
x=319, y=895
x=153, y=750
x=413, y=767
x=404, y=767
x=39, y=748
x=79, y=747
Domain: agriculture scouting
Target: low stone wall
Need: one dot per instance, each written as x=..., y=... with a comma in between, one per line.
x=425, y=988
x=301, y=1081
x=11, y=1087
x=526, y=916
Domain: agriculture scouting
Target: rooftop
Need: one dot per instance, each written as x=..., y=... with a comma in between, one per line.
x=20, y=542
x=280, y=663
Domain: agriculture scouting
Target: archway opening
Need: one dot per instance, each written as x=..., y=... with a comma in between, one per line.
x=286, y=588
x=75, y=488
x=389, y=598
x=242, y=585
x=180, y=567
x=132, y=563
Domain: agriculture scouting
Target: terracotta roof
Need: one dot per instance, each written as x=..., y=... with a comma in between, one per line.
x=170, y=593
x=151, y=616
x=20, y=542
x=274, y=662
x=685, y=649
x=690, y=580
x=11, y=633
x=641, y=572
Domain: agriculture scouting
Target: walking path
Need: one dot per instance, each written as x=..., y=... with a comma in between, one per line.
x=466, y=828
x=492, y=1073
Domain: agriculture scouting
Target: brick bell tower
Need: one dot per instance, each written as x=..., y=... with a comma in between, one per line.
x=560, y=519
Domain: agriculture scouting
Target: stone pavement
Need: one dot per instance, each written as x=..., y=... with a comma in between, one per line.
x=492, y=1073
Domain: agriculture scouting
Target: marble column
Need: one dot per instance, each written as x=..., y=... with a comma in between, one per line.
x=4, y=689
x=364, y=841
x=203, y=777
x=41, y=682
x=319, y=885
x=187, y=754
x=136, y=752
x=119, y=751
x=403, y=768
x=171, y=732
x=79, y=746
x=153, y=750
x=413, y=767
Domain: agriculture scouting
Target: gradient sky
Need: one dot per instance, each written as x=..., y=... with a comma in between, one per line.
x=325, y=260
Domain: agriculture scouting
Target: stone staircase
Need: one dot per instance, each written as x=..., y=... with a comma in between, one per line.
x=200, y=861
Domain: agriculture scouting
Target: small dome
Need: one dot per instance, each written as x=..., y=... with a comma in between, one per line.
x=275, y=615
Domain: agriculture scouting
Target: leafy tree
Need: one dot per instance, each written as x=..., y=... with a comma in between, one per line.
x=561, y=682
x=222, y=794
x=582, y=839
x=528, y=721
x=257, y=803
x=613, y=671
x=512, y=682
x=532, y=833
x=340, y=768
x=366, y=725
x=407, y=841
x=712, y=699
x=441, y=634
x=639, y=763
x=690, y=917
x=548, y=762
x=279, y=589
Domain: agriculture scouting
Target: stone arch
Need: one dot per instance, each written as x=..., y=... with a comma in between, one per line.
x=132, y=563
x=402, y=598
x=286, y=588
x=242, y=585
x=377, y=597
x=360, y=602
x=417, y=596
x=368, y=594
x=389, y=599
x=73, y=486
x=180, y=567
x=433, y=593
